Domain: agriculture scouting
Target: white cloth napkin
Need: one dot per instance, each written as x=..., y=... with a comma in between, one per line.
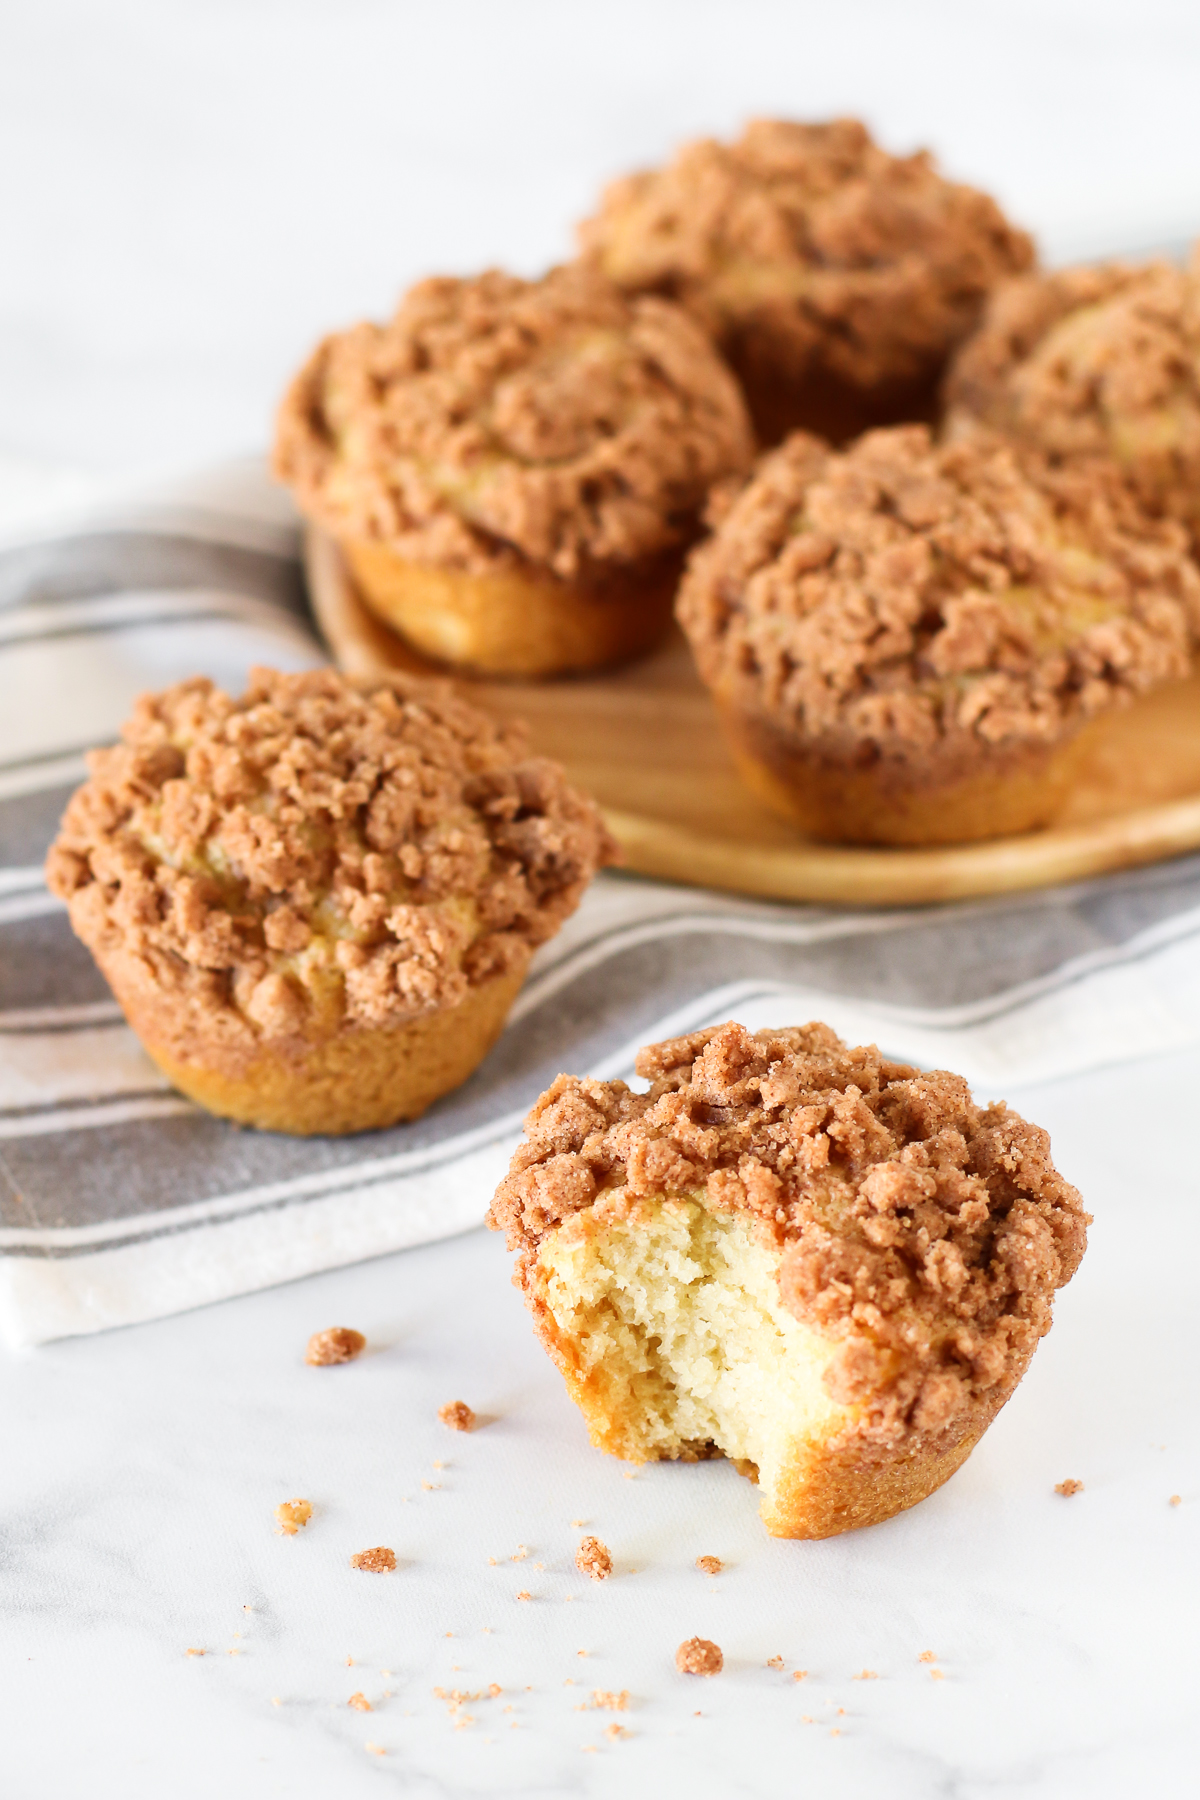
x=121, y=1201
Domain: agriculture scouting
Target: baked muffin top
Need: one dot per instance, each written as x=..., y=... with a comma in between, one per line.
x=1090, y=362
x=927, y=1232
x=496, y=422
x=317, y=855
x=906, y=594
x=870, y=264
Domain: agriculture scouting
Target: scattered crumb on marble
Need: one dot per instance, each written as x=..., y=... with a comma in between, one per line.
x=375, y=1749
x=519, y=1554
x=578, y=1653
x=491, y=1562
x=604, y=1701
x=712, y=1565
x=494, y=1688
x=430, y=1486
x=578, y=1524
x=292, y=1515
x=836, y=1731
x=349, y=1662
x=615, y=1731
x=337, y=1345
x=589, y=1748
x=630, y=1475
x=275, y=1700
x=379, y=1561
x=866, y=1675
x=359, y=1702
x=385, y=1671
x=799, y=1674
x=1068, y=1488
x=524, y=1594
x=937, y=1674
x=195, y=1652
x=699, y=1656
x=927, y=1656
x=593, y=1558
x=1175, y=1500
x=806, y=1718
x=774, y=1662
x=457, y=1415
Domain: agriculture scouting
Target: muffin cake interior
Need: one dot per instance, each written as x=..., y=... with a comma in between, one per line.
x=684, y=1329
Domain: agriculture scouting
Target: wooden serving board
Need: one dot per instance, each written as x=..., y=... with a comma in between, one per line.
x=644, y=741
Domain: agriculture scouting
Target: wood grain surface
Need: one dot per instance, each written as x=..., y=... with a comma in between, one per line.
x=644, y=741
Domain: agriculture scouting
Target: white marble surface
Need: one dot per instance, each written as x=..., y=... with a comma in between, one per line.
x=189, y=194
x=141, y=1470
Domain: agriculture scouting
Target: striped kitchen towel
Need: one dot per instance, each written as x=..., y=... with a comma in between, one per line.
x=120, y=1201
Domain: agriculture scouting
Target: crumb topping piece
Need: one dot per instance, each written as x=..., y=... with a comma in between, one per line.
x=1067, y=1488
x=1092, y=362
x=593, y=1558
x=498, y=423
x=711, y=1565
x=359, y=1702
x=922, y=1232
x=317, y=856
x=841, y=255
x=337, y=1345
x=910, y=595
x=293, y=1515
x=699, y=1656
x=379, y=1561
x=457, y=1415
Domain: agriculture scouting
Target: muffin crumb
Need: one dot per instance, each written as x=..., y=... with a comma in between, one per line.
x=774, y=1662
x=359, y=1702
x=1175, y=1500
x=379, y=1561
x=711, y=1565
x=457, y=1415
x=337, y=1345
x=1068, y=1488
x=292, y=1515
x=699, y=1656
x=605, y=1701
x=593, y=1558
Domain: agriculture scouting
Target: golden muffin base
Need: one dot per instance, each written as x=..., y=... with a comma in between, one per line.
x=609, y=1296
x=1014, y=791
x=517, y=623
x=360, y=1080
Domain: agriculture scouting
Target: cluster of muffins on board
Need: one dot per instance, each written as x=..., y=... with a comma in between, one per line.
x=968, y=535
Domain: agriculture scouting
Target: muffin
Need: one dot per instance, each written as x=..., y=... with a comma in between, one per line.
x=835, y=278
x=905, y=642
x=514, y=469
x=315, y=904
x=830, y=1268
x=1095, y=362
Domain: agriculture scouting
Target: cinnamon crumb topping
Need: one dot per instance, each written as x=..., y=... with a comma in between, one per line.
x=915, y=597
x=1095, y=362
x=925, y=1233
x=1068, y=1488
x=292, y=1515
x=699, y=1656
x=359, y=1702
x=495, y=422
x=834, y=253
x=379, y=1561
x=593, y=1558
x=711, y=1565
x=337, y=1345
x=316, y=857
x=457, y=1415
